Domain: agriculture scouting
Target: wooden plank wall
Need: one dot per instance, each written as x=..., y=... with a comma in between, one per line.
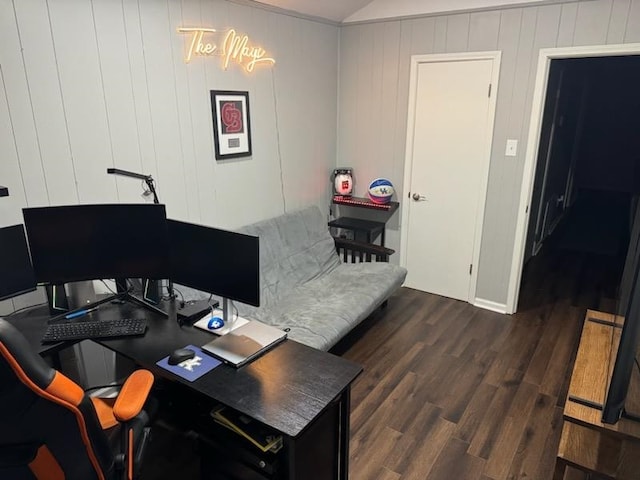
x=86, y=85
x=373, y=88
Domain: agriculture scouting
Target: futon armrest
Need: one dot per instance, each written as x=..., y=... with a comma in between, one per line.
x=353, y=251
x=133, y=395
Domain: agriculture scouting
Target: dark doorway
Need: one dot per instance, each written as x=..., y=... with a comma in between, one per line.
x=587, y=180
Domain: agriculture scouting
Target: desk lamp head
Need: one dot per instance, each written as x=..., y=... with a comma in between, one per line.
x=148, y=179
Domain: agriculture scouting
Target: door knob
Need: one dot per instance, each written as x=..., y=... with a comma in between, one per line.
x=419, y=198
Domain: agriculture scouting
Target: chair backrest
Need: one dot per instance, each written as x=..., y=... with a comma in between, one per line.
x=48, y=426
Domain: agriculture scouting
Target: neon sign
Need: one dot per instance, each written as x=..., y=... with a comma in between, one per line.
x=233, y=48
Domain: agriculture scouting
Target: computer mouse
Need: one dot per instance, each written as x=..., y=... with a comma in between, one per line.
x=180, y=355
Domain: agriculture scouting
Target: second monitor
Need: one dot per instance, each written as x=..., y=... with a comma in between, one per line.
x=219, y=262
x=16, y=272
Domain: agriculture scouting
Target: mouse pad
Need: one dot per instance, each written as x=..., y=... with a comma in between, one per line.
x=191, y=369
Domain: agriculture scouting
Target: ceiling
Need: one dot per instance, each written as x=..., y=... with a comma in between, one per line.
x=334, y=10
x=347, y=11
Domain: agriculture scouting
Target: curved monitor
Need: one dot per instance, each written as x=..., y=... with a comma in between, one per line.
x=87, y=242
x=215, y=261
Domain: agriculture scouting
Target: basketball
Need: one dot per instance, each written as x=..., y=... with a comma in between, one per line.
x=380, y=190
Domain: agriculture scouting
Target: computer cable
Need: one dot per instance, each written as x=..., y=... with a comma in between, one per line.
x=237, y=314
x=211, y=308
x=182, y=300
x=128, y=286
x=108, y=287
x=168, y=295
x=22, y=309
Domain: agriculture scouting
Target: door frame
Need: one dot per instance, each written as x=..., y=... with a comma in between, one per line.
x=416, y=60
x=545, y=57
x=541, y=218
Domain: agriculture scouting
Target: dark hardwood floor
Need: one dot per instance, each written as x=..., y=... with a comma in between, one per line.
x=451, y=391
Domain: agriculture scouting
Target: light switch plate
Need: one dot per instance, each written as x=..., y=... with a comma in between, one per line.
x=512, y=148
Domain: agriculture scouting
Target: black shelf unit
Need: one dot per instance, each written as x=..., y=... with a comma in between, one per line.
x=369, y=228
x=363, y=229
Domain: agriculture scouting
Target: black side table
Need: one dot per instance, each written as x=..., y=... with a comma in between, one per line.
x=369, y=228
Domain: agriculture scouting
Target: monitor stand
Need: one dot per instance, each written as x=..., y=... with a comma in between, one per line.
x=124, y=297
x=81, y=294
x=211, y=322
x=125, y=286
x=59, y=305
x=151, y=291
x=57, y=299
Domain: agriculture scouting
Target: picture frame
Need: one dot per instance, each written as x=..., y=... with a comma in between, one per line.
x=231, y=124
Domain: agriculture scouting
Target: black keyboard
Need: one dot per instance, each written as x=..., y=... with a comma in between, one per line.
x=59, y=332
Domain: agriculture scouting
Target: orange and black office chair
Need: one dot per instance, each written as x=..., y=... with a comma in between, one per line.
x=49, y=428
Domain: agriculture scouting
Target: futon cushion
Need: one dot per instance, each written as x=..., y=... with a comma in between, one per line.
x=294, y=249
x=320, y=312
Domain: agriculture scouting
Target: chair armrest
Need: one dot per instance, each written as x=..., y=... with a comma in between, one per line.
x=364, y=252
x=133, y=395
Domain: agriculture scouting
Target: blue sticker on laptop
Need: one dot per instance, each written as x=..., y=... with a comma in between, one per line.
x=193, y=368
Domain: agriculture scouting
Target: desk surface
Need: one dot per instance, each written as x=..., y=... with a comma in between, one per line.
x=286, y=388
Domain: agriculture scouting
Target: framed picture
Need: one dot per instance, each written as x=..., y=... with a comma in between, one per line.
x=231, y=124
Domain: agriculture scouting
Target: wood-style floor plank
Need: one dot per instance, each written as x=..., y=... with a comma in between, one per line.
x=511, y=432
x=422, y=451
x=386, y=474
x=455, y=462
x=530, y=450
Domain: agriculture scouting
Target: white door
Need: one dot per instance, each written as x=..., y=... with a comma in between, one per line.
x=448, y=150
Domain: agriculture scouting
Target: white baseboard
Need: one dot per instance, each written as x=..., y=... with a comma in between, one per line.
x=489, y=305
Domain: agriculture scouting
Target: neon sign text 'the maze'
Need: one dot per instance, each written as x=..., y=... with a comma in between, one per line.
x=233, y=47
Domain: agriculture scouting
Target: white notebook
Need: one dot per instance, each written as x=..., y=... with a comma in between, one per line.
x=245, y=343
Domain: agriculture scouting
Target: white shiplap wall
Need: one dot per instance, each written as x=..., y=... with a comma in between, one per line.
x=91, y=84
x=373, y=90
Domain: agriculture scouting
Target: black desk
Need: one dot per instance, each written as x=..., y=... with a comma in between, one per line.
x=290, y=389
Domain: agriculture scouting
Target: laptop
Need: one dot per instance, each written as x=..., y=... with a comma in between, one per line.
x=245, y=343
